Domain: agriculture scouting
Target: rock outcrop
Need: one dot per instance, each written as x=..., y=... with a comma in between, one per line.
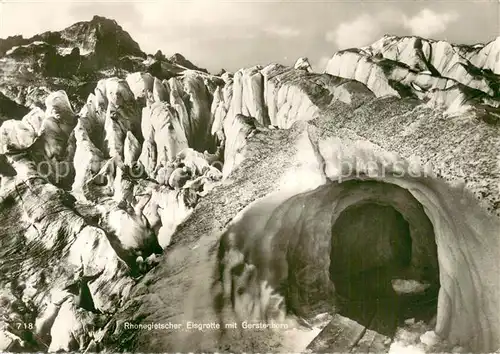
x=102, y=37
x=179, y=59
x=303, y=64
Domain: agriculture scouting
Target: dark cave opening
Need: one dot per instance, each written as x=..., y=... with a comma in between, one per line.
x=372, y=246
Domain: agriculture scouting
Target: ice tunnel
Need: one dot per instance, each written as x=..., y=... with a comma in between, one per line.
x=381, y=239
x=375, y=251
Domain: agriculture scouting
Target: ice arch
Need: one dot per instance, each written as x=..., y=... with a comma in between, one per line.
x=288, y=240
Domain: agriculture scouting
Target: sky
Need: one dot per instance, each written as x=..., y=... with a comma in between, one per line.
x=217, y=34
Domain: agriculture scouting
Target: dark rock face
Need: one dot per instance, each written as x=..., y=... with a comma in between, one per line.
x=104, y=38
x=9, y=42
x=10, y=109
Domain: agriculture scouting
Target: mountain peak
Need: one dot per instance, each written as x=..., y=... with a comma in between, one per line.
x=179, y=59
x=98, y=18
x=101, y=35
x=78, y=55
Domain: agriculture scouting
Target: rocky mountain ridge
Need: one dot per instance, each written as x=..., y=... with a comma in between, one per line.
x=121, y=186
x=74, y=59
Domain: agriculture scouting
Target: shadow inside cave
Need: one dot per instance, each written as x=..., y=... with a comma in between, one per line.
x=372, y=246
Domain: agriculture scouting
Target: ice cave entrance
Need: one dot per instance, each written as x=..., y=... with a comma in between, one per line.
x=373, y=250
